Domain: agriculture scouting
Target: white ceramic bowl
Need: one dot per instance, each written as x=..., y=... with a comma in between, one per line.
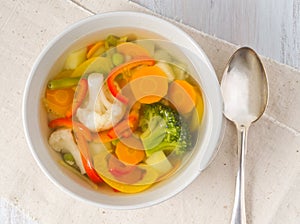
x=87, y=31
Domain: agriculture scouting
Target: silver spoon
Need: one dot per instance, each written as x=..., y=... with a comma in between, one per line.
x=245, y=92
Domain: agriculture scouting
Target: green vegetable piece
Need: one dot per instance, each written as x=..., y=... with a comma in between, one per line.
x=69, y=159
x=177, y=136
x=117, y=59
x=111, y=40
x=122, y=39
x=155, y=133
x=115, y=142
x=63, y=83
x=75, y=59
x=159, y=162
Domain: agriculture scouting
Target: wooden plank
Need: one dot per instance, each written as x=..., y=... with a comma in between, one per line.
x=270, y=27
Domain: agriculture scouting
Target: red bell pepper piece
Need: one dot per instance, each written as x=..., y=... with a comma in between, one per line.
x=82, y=135
x=80, y=94
x=125, y=173
x=85, y=157
x=102, y=137
x=117, y=131
x=61, y=122
x=124, y=128
x=117, y=168
x=115, y=190
x=127, y=126
x=121, y=68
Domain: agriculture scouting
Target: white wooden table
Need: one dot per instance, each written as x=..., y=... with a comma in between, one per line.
x=272, y=27
x=273, y=161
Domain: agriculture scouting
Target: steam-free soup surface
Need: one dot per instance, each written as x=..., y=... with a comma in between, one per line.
x=123, y=112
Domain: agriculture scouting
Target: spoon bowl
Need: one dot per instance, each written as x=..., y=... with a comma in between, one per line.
x=245, y=89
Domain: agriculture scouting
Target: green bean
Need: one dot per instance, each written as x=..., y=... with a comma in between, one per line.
x=63, y=83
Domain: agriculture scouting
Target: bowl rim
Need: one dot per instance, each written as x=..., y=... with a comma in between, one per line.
x=218, y=128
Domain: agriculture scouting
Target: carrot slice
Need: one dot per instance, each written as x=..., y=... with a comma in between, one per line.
x=90, y=46
x=182, y=95
x=132, y=49
x=129, y=155
x=149, y=84
x=121, y=69
x=59, y=101
x=94, y=48
x=104, y=137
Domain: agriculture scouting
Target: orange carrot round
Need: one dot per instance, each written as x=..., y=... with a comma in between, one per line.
x=149, y=84
x=132, y=49
x=183, y=96
x=129, y=155
x=120, y=69
x=59, y=101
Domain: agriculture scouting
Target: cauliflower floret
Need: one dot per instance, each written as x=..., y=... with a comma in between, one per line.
x=62, y=140
x=102, y=109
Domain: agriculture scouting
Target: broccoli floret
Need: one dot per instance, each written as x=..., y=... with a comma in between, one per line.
x=164, y=129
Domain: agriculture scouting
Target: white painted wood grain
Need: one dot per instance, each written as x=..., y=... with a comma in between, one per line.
x=271, y=27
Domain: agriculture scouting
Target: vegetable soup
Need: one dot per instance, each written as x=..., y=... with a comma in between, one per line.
x=123, y=112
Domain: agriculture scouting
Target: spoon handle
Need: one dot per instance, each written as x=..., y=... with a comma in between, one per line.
x=239, y=211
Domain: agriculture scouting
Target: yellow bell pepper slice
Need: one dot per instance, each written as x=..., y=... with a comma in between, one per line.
x=75, y=59
x=198, y=111
x=101, y=166
x=96, y=64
